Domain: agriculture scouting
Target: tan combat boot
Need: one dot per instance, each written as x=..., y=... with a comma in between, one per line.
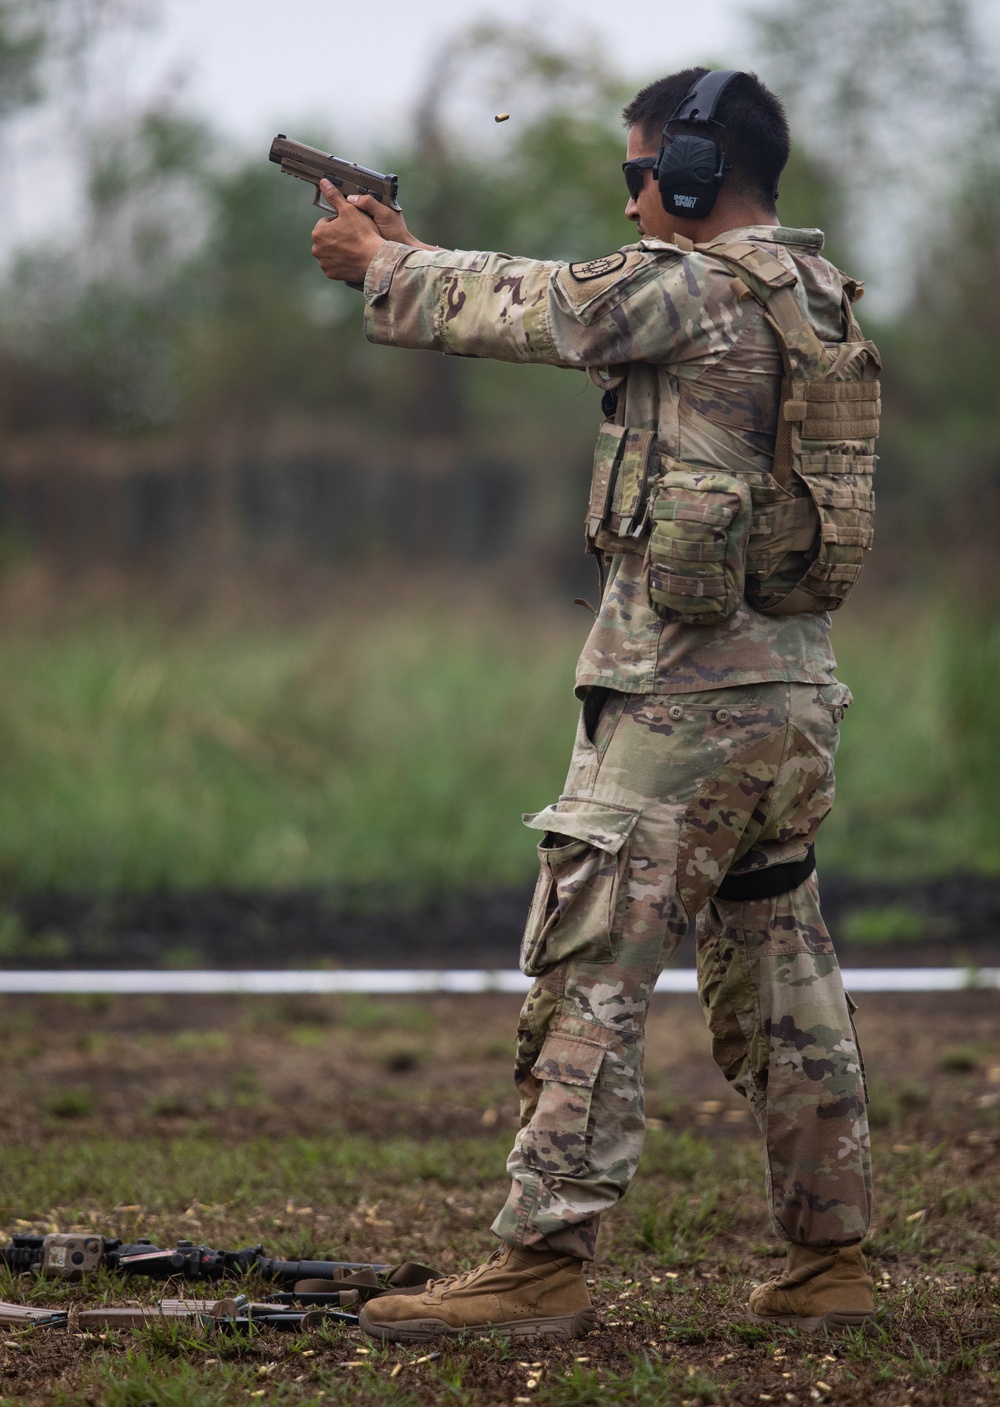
x=517, y=1292
x=819, y=1288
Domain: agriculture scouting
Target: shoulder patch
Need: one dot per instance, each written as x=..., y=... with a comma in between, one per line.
x=585, y=285
x=598, y=268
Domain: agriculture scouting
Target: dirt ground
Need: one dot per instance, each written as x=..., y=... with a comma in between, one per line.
x=161, y=1066
x=376, y=1128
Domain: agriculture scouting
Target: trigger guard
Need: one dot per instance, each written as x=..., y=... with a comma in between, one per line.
x=322, y=206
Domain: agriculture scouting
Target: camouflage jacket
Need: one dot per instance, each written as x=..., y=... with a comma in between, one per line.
x=695, y=365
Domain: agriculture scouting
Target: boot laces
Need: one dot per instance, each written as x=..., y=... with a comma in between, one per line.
x=452, y=1282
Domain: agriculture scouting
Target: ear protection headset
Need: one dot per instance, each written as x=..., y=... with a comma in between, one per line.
x=690, y=168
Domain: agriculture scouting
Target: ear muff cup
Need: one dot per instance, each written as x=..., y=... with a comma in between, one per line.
x=689, y=173
x=690, y=168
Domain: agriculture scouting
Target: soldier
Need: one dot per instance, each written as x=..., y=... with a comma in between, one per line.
x=731, y=508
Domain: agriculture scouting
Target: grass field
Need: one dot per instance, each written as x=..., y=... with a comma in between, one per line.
x=377, y=1129
x=389, y=755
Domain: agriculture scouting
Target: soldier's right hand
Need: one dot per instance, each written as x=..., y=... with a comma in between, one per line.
x=391, y=224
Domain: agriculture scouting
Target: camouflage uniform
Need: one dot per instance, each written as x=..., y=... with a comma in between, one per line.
x=672, y=791
x=703, y=750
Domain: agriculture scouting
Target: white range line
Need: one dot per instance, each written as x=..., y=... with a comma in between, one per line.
x=388, y=982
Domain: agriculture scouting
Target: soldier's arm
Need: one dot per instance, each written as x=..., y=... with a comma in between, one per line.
x=604, y=311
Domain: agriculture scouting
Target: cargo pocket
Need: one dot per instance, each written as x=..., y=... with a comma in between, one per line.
x=852, y=1007
x=580, y=895
x=556, y=1140
x=699, y=532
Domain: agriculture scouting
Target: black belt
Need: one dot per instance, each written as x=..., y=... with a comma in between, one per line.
x=764, y=884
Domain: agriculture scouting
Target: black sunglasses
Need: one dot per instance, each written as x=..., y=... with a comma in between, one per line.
x=635, y=173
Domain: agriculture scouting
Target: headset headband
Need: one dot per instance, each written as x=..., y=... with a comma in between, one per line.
x=702, y=98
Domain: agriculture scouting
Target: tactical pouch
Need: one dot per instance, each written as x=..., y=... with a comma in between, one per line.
x=618, y=490
x=809, y=539
x=699, y=531
x=840, y=487
x=580, y=894
x=813, y=514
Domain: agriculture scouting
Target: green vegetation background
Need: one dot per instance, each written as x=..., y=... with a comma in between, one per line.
x=392, y=763
x=386, y=747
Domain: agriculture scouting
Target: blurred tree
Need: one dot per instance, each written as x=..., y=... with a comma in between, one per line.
x=97, y=317
x=193, y=300
x=23, y=43
x=540, y=180
x=268, y=334
x=895, y=98
x=809, y=197
x=941, y=446
x=112, y=309
x=900, y=102
x=194, y=292
x=866, y=76
x=49, y=48
x=542, y=185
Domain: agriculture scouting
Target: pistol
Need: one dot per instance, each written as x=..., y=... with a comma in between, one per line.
x=312, y=165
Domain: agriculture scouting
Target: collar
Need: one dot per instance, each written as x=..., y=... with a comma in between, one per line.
x=811, y=240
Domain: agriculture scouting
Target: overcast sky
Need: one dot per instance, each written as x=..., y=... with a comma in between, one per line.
x=254, y=67
x=255, y=63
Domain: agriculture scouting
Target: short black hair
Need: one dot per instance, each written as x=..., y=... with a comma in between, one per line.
x=757, y=136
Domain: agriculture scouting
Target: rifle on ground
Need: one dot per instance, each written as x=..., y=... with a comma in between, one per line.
x=72, y=1256
x=311, y=164
x=235, y=1315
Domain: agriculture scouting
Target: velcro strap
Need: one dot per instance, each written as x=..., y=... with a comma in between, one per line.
x=859, y=466
x=839, y=429
x=836, y=410
x=837, y=493
x=836, y=572
x=677, y=585
x=854, y=288
x=716, y=515
x=842, y=390
x=844, y=536
x=765, y=884
x=740, y=289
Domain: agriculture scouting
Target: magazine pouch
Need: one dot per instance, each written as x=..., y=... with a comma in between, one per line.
x=697, y=552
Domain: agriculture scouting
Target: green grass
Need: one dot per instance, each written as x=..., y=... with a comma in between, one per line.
x=882, y=927
x=920, y=753
x=666, y=1338
x=306, y=1177
x=389, y=756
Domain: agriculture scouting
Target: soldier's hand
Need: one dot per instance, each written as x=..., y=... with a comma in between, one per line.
x=344, y=245
x=391, y=223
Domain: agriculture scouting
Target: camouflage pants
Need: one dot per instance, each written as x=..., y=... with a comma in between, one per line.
x=665, y=794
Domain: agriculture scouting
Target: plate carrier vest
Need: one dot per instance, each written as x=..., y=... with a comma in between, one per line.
x=790, y=539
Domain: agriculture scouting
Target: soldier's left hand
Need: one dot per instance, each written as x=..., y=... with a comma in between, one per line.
x=345, y=246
